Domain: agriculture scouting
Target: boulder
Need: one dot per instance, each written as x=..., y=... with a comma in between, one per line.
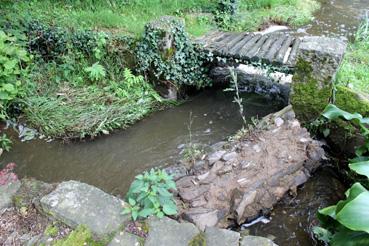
x=256, y=241
x=202, y=217
x=219, y=237
x=216, y=156
x=126, y=239
x=77, y=203
x=7, y=191
x=166, y=231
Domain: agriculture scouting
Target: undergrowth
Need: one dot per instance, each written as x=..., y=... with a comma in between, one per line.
x=355, y=68
x=131, y=16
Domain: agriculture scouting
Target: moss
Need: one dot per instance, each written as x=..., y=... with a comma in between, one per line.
x=80, y=236
x=51, y=231
x=351, y=101
x=198, y=240
x=309, y=97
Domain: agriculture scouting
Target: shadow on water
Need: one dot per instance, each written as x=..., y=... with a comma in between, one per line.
x=111, y=162
x=292, y=219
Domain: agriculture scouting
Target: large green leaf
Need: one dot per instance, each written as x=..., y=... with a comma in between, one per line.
x=355, y=214
x=355, y=190
x=332, y=112
x=346, y=237
x=170, y=209
x=360, y=167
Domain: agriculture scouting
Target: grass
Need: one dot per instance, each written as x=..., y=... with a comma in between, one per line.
x=259, y=13
x=354, y=72
x=131, y=16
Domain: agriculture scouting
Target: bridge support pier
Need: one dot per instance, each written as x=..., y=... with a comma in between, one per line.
x=318, y=60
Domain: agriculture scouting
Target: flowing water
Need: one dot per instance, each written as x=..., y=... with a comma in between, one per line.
x=338, y=18
x=111, y=162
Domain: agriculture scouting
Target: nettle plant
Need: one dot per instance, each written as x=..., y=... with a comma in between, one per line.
x=150, y=195
x=13, y=68
x=347, y=222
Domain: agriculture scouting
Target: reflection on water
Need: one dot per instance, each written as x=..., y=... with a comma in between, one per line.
x=111, y=162
x=339, y=18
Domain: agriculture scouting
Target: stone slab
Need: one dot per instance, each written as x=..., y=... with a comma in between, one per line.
x=77, y=203
x=125, y=239
x=166, y=231
x=7, y=192
x=220, y=237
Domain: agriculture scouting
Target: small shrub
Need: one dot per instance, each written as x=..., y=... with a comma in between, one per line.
x=150, y=194
x=13, y=68
x=224, y=15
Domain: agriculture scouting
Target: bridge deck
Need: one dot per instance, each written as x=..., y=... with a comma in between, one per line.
x=278, y=49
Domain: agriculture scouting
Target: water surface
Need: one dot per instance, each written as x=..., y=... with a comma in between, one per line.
x=111, y=162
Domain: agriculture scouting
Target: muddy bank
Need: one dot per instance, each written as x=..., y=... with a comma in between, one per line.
x=243, y=179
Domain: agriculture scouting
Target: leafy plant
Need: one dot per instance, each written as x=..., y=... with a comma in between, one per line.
x=347, y=222
x=237, y=98
x=96, y=72
x=150, y=194
x=13, y=68
x=5, y=142
x=225, y=12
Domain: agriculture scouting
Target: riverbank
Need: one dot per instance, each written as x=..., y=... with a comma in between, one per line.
x=98, y=216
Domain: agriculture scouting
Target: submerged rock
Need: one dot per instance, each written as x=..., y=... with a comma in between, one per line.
x=256, y=241
x=242, y=184
x=77, y=203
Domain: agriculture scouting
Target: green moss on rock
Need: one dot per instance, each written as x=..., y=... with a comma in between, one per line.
x=198, y=240
x=80, y=236
x=351, y=101
x=309, y=97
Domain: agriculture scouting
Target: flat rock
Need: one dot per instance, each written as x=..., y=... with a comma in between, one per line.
x=125, y=239
x=177, y=171
x=215, y=156
x=166, y=231
x=77, y=203
x=7, y=192
x=256, y=241
x=202, y=217
x=219, y=237
x=230, y=156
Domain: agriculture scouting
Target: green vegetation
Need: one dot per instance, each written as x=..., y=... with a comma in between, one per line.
x=131, y=16
x=150, y=194
x=80, y=236
x=198, y=240
x=347, y=222
x=355, y=68
x=51, y=230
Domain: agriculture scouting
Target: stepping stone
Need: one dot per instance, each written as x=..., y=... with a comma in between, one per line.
x=126, y=239
x=169, y=232
x=256, y=241
x=219, y=237
x=7, y=192
x=76, y=203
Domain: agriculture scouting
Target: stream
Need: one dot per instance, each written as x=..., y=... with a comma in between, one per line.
x=111, y=162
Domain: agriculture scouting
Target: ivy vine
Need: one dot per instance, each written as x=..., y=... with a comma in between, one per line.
x=166, y=52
